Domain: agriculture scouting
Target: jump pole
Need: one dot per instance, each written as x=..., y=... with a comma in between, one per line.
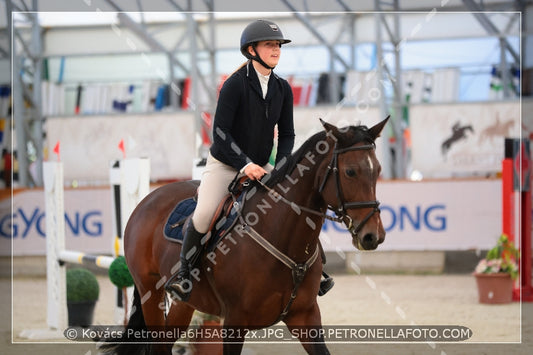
x=133, y=185
x=517, y=209
x=57, y=256
x=56, y=316
x=130, y=183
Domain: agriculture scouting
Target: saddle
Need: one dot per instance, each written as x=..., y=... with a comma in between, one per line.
x=223, y=221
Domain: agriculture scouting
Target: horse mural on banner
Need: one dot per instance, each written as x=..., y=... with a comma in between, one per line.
x=269, y=268
x=496, y=130
x=458, y=133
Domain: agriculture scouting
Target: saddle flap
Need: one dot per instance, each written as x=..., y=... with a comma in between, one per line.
x=223, y=210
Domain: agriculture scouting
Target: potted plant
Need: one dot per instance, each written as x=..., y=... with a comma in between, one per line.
x=496, y=273
x=82, y=293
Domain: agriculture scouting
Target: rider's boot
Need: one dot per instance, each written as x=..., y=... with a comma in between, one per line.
x=180, y=284
x=327, y=283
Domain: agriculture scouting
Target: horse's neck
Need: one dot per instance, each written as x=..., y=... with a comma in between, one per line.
x=296, y=233
x=300, y=186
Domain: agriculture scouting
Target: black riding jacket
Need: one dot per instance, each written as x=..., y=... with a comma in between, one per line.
x=243, y=130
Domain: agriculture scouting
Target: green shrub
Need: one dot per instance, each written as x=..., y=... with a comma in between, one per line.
x=82, y=286
x=119, y=274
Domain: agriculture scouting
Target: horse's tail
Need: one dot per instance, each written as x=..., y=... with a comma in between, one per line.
x=125, y=345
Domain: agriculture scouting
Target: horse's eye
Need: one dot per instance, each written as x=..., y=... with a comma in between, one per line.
x=350, y=172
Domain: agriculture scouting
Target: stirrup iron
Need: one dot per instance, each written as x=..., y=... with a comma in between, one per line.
x=326, y=284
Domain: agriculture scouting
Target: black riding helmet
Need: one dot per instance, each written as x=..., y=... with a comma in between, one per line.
x=260, y=30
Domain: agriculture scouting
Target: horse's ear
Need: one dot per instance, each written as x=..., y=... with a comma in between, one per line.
x=330, y=128
x=375, y=131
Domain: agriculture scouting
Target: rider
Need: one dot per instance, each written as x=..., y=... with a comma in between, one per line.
x=252, y=101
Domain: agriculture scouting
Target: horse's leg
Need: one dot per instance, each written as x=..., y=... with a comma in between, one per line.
x=179, y=317
x=233, y=344
x=300, y=324
x=154, y=312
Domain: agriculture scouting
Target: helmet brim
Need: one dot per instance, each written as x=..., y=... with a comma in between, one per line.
x=245, y=46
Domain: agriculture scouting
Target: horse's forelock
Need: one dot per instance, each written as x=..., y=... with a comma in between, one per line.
x=352, y=135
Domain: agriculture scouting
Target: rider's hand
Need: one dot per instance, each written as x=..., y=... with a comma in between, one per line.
x=254, y=171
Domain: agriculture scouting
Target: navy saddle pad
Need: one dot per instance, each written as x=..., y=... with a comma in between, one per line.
x=176, y=220
x=174, y=227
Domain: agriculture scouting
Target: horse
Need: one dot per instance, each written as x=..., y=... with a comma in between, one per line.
x=498, y=129
x=268, y=268
x=458, y=133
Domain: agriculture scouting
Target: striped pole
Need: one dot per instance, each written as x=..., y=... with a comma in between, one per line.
x=133, y=184
x=76, y=257
x=516, y=206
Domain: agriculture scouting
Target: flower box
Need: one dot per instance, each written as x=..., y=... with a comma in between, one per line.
x=494, y=288
x=496, y=273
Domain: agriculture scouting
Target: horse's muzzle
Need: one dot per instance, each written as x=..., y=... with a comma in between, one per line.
x=369, y=241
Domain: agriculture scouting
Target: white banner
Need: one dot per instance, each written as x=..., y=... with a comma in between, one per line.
x=307, y=120
x=88, y=144
x=88, y=222
x=461, y=139
x=432, y=215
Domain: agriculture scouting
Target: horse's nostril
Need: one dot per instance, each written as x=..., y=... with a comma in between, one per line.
x=369, y=239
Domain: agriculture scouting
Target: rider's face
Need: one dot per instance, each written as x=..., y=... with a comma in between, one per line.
x=268, y=51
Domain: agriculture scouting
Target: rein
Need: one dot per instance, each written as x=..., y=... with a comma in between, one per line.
x=277, y=196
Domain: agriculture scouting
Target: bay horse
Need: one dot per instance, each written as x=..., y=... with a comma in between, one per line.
x=268, y=268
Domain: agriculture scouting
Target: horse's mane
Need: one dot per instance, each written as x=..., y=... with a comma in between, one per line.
x=350, y=136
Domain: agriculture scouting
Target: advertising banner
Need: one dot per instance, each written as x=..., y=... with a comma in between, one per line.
x=432, y=215
x=429, y=215
x=88, y=222
x=462, y=139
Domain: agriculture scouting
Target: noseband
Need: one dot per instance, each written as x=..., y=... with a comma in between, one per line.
x=341, y=209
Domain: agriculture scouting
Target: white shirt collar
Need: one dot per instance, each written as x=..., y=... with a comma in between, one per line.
x=263, y=80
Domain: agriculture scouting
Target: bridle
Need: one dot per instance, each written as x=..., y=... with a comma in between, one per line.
x=341, y=210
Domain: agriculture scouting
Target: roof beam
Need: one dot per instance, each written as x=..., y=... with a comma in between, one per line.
x=487, y=24
x=315, y=33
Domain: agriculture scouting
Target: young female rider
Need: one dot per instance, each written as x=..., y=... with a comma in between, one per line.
x=252, y=101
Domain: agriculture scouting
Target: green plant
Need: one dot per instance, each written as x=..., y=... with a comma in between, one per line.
x=82, y=286
x=119, y=274
x=500, y=259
